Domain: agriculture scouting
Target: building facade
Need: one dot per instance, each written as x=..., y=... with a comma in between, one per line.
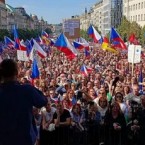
x=3, y=15
x=10, y=16
x=134, y=10
x=98, y=15
x=104, y=15
x=84, y=21
x=112, y=14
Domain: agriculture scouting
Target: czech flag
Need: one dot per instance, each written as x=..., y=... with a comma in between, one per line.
x=84, y=71
x=92, y=32
x=64, y=46
x=39, y=40
x=52, y=42
x=101, y=40
x=37, y=49
x=16, y=38
x=35, y=71
x=23, y=46
x=115, y=37
x=44, y=34
x=87, y=54
x=79, y=45
x=29, y=47
x=18, y=44
x=9, y=42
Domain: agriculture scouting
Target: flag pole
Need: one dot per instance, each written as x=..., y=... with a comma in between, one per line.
x=133, y=60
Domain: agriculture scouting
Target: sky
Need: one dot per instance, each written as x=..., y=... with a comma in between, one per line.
x=53, y=11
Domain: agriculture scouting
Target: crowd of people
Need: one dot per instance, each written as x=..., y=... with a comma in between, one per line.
x=105, y=107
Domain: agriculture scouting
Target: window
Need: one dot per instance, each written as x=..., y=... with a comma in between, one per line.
x=133, y=7
x=136, y=6
x=139, y=6
x=131, y=18
x=138, y=17
x=142, y=5
x=141, y=17
x=144, y=17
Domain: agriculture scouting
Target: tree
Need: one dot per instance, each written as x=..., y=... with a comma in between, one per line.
x=136, y=29
x=142, y=40
x=127, y=28
x=84, y=34
x=3, y=32
x=48, y=30
x=124, y=28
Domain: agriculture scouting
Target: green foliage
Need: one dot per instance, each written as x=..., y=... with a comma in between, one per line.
x=4, y=32
x=127, y=28
x=123, y=29
x=84, y=34
x=142, y=37
x=23, y=33
x=48, y=30
x=108, y=35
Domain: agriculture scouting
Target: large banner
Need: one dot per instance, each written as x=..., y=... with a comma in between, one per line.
x=134, y=53
x=71, y=28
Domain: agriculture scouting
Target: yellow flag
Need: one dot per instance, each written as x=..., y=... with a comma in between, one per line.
x=106, y=46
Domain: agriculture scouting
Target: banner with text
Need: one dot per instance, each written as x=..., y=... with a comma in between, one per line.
x=134, y=53
x=22, y=55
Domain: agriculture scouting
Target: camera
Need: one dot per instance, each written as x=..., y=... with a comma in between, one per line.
x=134, y=104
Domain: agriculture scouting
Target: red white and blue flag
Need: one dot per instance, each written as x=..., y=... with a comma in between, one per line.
x=83, y=70
x=35, y=71
x=29, y=47
x=18, y=45
x=44, y=34
x=116, y=40
x=87, y=54
x=36, y=49
x=92, y=32
x=81, y=43
x=39, y=40
x=64, y=46
x=8, y=42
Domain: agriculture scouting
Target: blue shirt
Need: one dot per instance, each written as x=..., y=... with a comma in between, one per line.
x=17, y=125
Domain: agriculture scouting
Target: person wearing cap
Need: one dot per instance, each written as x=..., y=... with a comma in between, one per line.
x=17, y=124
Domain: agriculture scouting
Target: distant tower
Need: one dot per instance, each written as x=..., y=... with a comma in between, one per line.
x=85, y=10
x=2, y=1
x=86, y=13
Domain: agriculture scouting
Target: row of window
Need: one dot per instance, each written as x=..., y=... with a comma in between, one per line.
x=135, y=7
x=140, y=17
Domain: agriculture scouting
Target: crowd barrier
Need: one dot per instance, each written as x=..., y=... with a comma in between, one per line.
x=91, y=135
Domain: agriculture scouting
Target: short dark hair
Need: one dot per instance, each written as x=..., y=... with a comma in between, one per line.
x=8, y=68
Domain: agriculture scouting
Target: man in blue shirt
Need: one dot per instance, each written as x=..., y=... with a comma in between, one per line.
x=17, y=125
